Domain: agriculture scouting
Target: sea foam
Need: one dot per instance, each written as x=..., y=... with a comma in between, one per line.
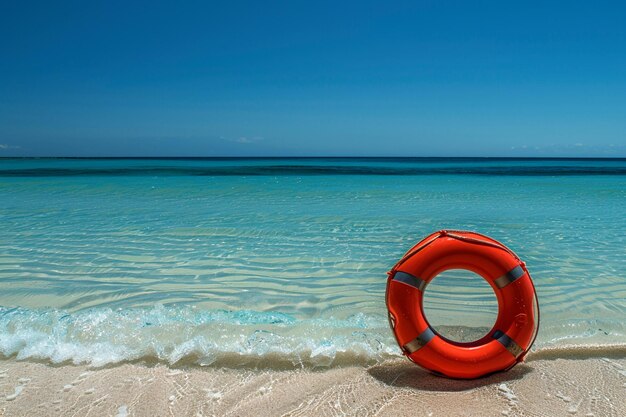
x=188, y=335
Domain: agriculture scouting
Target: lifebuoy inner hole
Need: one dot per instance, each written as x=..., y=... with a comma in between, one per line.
x=460, y=305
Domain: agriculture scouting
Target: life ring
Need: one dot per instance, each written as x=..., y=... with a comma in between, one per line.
x=514, y=331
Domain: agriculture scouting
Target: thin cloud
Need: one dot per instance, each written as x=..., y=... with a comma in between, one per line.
x=572, y=149
x=4, y=146
x=247, y=139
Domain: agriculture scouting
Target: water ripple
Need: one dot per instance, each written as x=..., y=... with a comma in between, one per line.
x=309, y=246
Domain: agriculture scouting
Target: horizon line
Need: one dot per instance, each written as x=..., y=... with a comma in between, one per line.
x=327, y=157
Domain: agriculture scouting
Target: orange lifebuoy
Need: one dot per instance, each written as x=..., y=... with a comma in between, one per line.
x=514, y=331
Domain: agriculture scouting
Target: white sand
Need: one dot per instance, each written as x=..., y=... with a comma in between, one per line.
x=546, y=385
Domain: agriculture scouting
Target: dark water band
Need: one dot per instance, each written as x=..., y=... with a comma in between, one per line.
x=308, y=170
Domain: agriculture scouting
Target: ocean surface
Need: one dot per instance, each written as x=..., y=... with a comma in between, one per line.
x=282, y=262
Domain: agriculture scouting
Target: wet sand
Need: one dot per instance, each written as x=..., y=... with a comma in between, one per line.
x=545, y=385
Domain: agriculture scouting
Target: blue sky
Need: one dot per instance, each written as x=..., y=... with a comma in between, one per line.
x=424, y=78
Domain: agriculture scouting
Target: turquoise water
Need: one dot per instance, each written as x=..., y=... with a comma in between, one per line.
x=284, y=261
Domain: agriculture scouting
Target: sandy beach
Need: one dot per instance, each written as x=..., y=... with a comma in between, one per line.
x=546, y=384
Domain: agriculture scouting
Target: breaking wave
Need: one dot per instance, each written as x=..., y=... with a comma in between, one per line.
x=187, y=335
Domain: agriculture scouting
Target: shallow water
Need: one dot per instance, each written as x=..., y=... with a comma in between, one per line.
x=107, y=260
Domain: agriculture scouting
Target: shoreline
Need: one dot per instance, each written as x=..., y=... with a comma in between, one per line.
x=547, y=382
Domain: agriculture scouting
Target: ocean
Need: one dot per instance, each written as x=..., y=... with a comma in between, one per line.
x=281, y=262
